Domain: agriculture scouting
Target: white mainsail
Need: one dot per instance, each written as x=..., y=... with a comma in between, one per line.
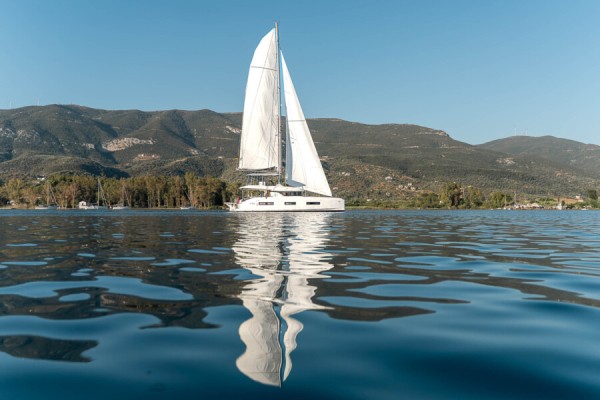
x=259, y=142
x=303, y=167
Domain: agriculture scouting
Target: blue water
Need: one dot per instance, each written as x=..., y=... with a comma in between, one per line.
x=354, y=305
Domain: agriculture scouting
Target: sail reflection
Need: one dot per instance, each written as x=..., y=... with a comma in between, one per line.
x=285, y=251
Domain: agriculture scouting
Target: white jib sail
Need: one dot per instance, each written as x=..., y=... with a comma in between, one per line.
x=259, y=144
x=303, y=167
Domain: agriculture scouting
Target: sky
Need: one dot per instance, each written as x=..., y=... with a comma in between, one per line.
x=478, y=69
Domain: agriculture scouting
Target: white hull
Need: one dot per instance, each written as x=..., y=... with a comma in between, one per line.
x=46, y=207
x=288, y=203
x=92, y=207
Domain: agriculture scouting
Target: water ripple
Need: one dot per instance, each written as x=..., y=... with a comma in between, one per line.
x=348, y=305
x=114, y=284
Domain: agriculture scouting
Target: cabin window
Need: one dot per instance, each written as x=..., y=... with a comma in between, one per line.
x=290, y=203
x=265, y=203
x=313, y=203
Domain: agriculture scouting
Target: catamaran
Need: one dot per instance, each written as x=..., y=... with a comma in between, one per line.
x=304, y=186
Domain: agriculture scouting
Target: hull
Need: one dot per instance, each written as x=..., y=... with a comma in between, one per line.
x=288, y=204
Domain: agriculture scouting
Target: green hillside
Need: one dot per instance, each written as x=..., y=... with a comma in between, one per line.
x=361, y=161
x=567, y=152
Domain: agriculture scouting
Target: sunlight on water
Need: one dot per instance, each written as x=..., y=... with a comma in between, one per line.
x=363, y=304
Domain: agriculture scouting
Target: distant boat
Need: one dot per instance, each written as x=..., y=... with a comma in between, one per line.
x=189, y=199
x=83, y=205
x=48, y=207
x=261, y=142
x=121, y=205
x=50, y=200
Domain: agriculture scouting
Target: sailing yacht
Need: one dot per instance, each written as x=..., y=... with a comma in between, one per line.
x=83, y=205
x=304, y=186
x=121, y=205
x=50, y=200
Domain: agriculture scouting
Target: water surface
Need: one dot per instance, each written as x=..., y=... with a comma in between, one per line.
x=354, y=305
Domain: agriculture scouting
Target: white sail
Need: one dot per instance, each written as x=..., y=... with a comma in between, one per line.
x=259, y=142
x=303, y=167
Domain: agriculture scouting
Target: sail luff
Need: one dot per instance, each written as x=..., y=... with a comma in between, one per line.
x=258, y=142
x=303, y=167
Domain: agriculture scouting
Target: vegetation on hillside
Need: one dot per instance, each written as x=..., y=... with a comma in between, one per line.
x=453, y=195
x=150, y=191
x=365, y=164
x=585, y=157
x=191, y=190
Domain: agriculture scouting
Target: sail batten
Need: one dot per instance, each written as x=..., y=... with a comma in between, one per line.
x=303, y=167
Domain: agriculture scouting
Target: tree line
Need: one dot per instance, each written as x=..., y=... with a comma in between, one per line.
x=455, y=195
x=458, y=196
x=66, y=191
x=191, y=190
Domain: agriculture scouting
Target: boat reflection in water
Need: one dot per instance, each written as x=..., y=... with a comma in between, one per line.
x=286, y=251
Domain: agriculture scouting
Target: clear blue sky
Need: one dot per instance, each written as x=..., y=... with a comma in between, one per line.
x=478, y=69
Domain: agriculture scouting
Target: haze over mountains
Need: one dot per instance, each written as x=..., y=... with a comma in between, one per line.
x=360, y=160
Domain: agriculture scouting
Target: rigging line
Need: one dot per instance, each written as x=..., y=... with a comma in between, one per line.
x=270, y=69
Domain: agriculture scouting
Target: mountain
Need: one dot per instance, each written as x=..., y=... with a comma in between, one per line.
x=361, y=161
x=567, y=152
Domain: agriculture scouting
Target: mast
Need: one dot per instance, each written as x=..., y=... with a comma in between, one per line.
x=279, y=135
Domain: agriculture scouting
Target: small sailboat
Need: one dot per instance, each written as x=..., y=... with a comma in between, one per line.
x=83, y=205
x=189, y=200
x=304, y=186
x=121, y=205
x=51, y=203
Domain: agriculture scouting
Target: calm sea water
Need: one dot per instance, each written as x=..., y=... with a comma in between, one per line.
x=355, y=305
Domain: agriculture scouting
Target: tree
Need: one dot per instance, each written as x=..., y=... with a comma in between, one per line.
x=451, y=194
x=176, y=190
x=31, y=195
x=145, y=191
x=429, y=200
x=592, y=194
x=474, y=198
x=13, y=190
x=191, y=182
